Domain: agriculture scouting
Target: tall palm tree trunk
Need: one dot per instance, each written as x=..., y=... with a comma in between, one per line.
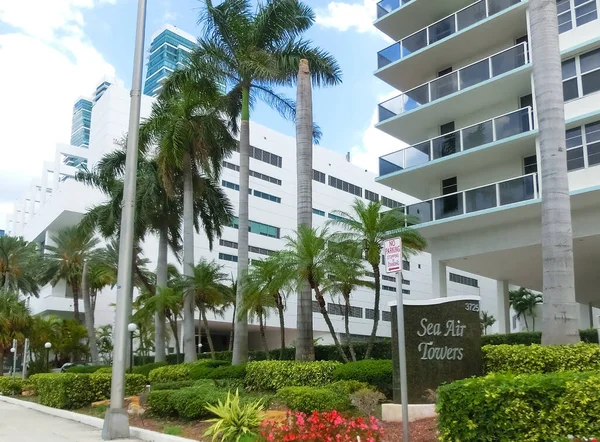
x=525, y=319
x=240, y=338
x=207, y=329
x=347, y=325
x=279, y=303
x=1, y=361
x=160, y=354
x=376, y=310
x=75, y=290
x=232, y=331
x=89, y=315
x=189, y=326
x=560, y=308
x=263, y=335
x=305, y=350
x=173, y=324
x=323, y=307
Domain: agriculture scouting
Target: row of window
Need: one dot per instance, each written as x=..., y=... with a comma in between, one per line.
x=253, y=173
x=390, y=288
x=264, y=156
x=345, y=186
x=371, y=196
x=257, y=193
x=581, y=75
x=318, y=212
x=254, y=249
x=354, y=312
x=226, y=257
x=336, y=217
x=318, y=176
x=387, y=202
x=465, y=280
x=574, y=13
x=385, y=315
x=583, y=146
x=258, y=228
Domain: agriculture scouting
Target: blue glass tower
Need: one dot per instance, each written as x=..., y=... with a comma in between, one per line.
x=82, y=120
x=169, y=50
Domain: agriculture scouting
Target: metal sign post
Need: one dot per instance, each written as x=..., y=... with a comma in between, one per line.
x=25, y=358
x=14, y=352
x=393, y=264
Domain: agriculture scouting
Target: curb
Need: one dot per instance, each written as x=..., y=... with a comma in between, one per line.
x=96, y=422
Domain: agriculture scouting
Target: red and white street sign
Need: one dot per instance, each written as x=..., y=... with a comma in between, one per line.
x=393, y=255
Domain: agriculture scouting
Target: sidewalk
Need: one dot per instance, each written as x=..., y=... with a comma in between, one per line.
x=20, y=424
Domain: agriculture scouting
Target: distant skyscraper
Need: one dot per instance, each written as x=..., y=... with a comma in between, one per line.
x=80, y=126
x=169, y=50
x=100, y=89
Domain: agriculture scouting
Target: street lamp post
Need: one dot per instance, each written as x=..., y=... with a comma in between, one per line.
x=132, y=328
x=200, y=348
x=13, y=350
x=48, y=346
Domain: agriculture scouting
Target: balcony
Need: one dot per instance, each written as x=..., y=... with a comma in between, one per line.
x=491, y=196
x=477, y=28
x=472, y=87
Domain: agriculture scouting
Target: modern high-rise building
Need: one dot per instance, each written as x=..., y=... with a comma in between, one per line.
x=169, y=50
x=468, y=113
x=80, y=126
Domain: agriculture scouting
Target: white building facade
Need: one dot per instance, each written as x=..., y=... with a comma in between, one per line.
x=468, y=114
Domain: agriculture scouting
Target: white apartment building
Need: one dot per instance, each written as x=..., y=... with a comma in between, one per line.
x=468, y=114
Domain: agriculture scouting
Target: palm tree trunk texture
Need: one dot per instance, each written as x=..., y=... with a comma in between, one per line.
x=305, y=350
x=75, y=290
x=323, y=307
x=1, y=361
x=347, y=325
x=89, y=315
x=161, y=282
x=263, y=335
x=231, y=333
x=560, y=310
x=279, y=303
x=207, y=329
x=189, y=307
x=376, y=310
x=240, y=338
x=173, y=324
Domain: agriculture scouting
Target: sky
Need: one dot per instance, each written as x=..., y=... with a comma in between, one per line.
x=53, y=51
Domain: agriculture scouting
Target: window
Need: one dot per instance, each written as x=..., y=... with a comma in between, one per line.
x=355, y=312
x=388, y=288
x=264, y=156
x=369, y=313
x=386, y=316
x=444, y=72
x=264, y=177
x=335, y=309
x=581, y=75
x=231, y=166
x=371, y=196
x=318, y=176
x=406, y=265
x=530, y=165
x=449, y=185
x=345, y=186
x=388, y=278
x=578, y=12
x=447, y=128
x=387, y=202
x=583, y=146
x=316, y=308
x=371, y=274
x=514, y=322
x=230, y=244
x=258, y=228
x=405, y=292
x=405, y=281
x=465, y=280
x=253, y=249
x=230, y=185
x=267, y=196
x=336, y=218
x=318, y=212
x=226, y=257
x=575, y=149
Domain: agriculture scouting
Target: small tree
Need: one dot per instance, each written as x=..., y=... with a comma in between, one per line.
x=486, y=320
x=523, y=302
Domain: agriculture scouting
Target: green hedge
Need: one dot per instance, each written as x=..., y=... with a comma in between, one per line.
x=174, y=385
x=203, y=369
x=309, y=399
x=535, y=358
x=84, y=369
x=161, y=403
x=229, y=372
x=182, y=372
x=273, y=375
x=10, y=386
x=372, y=371
x=527, y=338
x=147, y=368
x=71, y=390
x=525, y=408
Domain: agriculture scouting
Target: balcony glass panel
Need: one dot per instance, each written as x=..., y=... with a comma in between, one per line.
x=443, y=86
x=496, y=6
x=481, y=198
x=512, y=124
x=445, y=145
x=414, y=42
x=514, y=191
x=391, y=163
x=508, y=60
x=477, y=135
x=442, y=29
x=470, y=15
x=476, y=73
x=421, y=211
x=415, y=98
x=388, y=55
x=386, y=6
x=417, y=154
x=448, y=206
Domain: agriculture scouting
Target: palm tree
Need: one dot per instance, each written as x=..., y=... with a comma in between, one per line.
x=486, y=320
x=308, y=256
x=561, y=314
x=368, y=225
x=71, y=340
x=271, y=277
x=345, y=272
x=229, y=296
x=523, y=302
x=19, y=261
x=104, y=337
x=257, y=303
x=14, y=320
x=252, y=51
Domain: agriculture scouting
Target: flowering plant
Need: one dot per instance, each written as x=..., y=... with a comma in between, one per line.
x=323, y=427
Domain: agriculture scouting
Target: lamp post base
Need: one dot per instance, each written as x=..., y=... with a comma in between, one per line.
x=116, y=424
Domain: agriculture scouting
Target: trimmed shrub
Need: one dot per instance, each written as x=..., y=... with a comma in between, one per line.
x=349, y=387
x=10, y=386
x=175, y=385
x=161, y=403
x=147, y=368
x=273, y=375
x=104, y=370
x=202, y=369
x=527, y=338
x=508, y=407
x=190, y=403
x=309, y=399
x=83, y=369
x=229, y=372
x=541, y=359
x=170, y=373
x=372, y=371
x=589, y=336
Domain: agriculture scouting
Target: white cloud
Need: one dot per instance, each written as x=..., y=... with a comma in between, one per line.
x=51, y=63
x=349, y=16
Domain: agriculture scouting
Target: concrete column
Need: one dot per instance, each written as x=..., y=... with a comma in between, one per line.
x=439, y=278
x=503, y=307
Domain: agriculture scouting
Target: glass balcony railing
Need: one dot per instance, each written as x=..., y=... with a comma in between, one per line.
x=511, y=191
x=496, y=129
x=463, y=78
x=440, y=30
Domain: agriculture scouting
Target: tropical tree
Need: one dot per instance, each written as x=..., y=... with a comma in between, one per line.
x=71, y=342
x=307, y=255
x=257, y=303
x=252, y=51
x=523, y=302
x=104, y=338
x=14, y=321
x=19, y=265
x=229, y=301
x=486, y=320
x=368, y=225
x=560, y=312
x=345, y=273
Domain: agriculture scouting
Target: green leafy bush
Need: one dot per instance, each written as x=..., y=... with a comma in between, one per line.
x=589, y=336
x=170, y=373
x=273, y=375
x=309, y=399
x=174, y=385
x=203, y=369
x=527, y=338
x=82, y=369
x=104, y=370
x=541, y=359
x=147, y=368
x=349, y=387
x=376, y=372
x=235, y=420
x=229, y=372
x=190, y=403
x=10, y=386
x=161, y=403
x=366, y=400
x=528, y=408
